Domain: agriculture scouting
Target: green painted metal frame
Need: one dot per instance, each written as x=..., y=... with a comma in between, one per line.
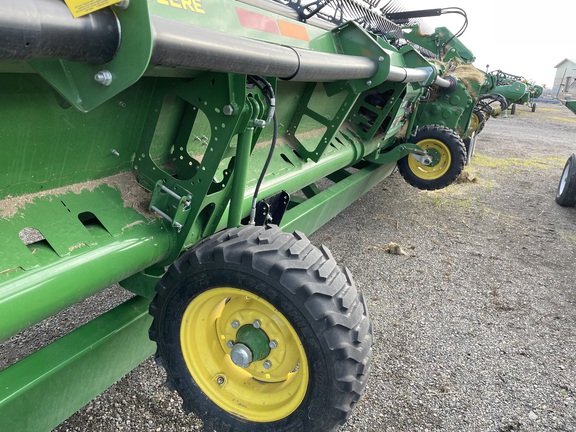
x=311, y=214
x=193, y=146
x=45, y=388
x=89, y=240
x=75, y=81
x=52, y=381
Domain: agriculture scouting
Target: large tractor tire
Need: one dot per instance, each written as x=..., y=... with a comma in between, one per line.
x=259, y=330
x=566, y=192
x=478, y=121
x=447, y=151
x=513, y=109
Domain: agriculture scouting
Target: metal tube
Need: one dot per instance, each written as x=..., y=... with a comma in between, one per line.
x=45, y=29
x=296, y=179
x=33, y=295
x=400, y=74
x=441, y=82
x=181, y=45
x=243, y=148
x=58, y=379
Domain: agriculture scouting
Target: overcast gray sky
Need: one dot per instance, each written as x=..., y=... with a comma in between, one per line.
x=519, y=37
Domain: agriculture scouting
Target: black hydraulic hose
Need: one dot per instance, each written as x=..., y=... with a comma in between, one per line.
x=458, y=11
x=266, y=88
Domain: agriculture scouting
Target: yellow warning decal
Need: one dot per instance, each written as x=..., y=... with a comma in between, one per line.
x=84, y=7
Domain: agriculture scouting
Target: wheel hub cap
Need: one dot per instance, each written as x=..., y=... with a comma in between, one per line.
x=241, y=355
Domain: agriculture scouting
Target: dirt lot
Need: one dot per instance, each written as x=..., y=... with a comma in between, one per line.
x=474, y=326
x=475, y=329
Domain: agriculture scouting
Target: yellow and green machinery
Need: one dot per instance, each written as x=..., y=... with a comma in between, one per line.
x=482, y=93
x=184, y=149
x=517, y=90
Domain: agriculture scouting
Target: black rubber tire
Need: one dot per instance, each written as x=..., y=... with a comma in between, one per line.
x=457, y=151
x=305, y=284
x=513, y=109
x=481, y=120
x=566, y=192
x=533, y=107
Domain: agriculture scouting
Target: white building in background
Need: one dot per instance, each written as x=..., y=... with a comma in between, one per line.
x=565, y=79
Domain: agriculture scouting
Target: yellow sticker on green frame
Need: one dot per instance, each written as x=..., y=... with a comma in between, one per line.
x=84, y=7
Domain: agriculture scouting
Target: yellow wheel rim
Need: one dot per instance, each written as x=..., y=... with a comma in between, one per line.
x=441, y=160
x=255, y=393
x=474, y=122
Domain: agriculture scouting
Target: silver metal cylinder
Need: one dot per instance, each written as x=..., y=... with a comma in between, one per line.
x=400, y=74
x=45, y=29
x=444, y=83
x=185, y=46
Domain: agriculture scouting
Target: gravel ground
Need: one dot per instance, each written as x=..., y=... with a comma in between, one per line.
x=474, y=326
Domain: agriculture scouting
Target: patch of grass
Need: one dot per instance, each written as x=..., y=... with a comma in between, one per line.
x=489, y=185
x=485, y=211
x=507, y=163
x=444, y=199
x=568, y=236
x=564, y=119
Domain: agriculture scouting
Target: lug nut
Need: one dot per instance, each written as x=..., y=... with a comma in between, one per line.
x=235, y=324
x=257, y=324
x=273, y=344
x=267, y=364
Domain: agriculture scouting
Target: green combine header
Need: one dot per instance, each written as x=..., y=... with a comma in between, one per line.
x=185, y=149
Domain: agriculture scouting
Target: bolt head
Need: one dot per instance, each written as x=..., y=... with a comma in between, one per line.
x=220, y=380
x=256, y=324
x=235, y=324
x=267, y=364
x=228, y=110
x=123, y=5
x=368, y=82
x=273, y=344
x=230, y=344
x=103, y=77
